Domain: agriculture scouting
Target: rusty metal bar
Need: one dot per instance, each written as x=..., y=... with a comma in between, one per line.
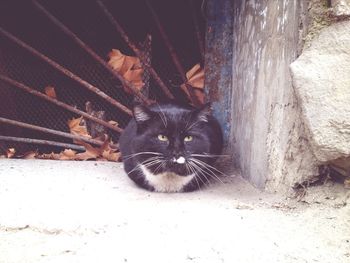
x=173, y=55
x=66, y=72
x=197, y=30
x=50, y=131
x=29, y=90
x=92, y=53
x=43, y=142
x=136, y=50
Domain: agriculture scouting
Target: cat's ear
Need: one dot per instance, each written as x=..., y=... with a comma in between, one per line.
x=204, y=112
x=141, y=113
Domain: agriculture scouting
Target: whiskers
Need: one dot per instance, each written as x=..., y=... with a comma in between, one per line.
x=203, y=170
x=156, y=158
x=126, y=157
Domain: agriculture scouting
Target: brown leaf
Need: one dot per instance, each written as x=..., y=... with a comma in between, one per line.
x=50, y=156
x=104, y=152
x=67, y=154
x=50, y=91
x=29, y=155
x=135, y=77
x=10, y=152
x=111, y=156
x=90, y=152
x=116, y=60
x=195, y=79
x=129, y=67
x=77, y=127
x=113, y=123
x=347, y=183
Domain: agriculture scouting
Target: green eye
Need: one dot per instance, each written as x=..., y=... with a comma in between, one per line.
x=162, y=138
x=188, y=138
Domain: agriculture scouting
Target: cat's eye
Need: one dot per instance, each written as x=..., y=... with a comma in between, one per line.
x=188, y=138
x=162, y=138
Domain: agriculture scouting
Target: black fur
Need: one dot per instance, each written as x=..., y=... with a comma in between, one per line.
x=175, y=122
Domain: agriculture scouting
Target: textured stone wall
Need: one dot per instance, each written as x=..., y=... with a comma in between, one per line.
x=321, y=77
x=267, y=131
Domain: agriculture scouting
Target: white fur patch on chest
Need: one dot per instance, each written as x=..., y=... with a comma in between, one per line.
x=166, y=182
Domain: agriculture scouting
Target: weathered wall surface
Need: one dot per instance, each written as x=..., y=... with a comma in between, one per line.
x=321, y=78
x=267, y=132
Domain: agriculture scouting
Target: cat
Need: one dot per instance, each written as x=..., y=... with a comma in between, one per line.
x=171, y=147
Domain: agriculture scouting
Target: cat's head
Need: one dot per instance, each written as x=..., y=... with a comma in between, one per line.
x=179, y=139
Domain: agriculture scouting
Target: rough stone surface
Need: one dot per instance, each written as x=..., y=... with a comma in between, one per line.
x=266, y=126
x=321, y=77
x=341, y=7
x=61, y=211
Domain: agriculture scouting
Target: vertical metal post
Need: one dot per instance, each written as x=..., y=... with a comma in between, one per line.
x=219, y=61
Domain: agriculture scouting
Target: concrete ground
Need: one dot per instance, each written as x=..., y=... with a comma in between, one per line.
x=65, y=211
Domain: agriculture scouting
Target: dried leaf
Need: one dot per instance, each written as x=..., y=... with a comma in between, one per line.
x=30, y=155
x=195, y=79
x=10, y=152
x=347, y=183
x=135, y=77
x=111, y=156
x=116, y=60
x=104, y=152
x=67, y=154
x=129, y=67
x=113, y=123
x=50, y=91
x=77, y=127
x=195, y=76
x=90, y=152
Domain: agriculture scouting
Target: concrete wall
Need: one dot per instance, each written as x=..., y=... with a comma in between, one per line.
x=266, y=131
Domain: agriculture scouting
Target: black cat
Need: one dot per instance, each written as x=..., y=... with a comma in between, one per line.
x=171, y=148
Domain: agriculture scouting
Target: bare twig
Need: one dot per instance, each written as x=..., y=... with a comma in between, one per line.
x=66, y=72
x=173, y=55
x=92, y=53
x=136, y=50
x=57, y=102
x=50, y=131
x=197, y=30
x=43, y=142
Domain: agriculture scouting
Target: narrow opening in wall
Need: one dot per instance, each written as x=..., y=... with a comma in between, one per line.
x=55, y=48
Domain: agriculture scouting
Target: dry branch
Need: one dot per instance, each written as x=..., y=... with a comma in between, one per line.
x=136, y=50
x=29, y=90
x=42, y=142
x=173, y=54
x=66, y=72
x=50, y=131
x=92, y=53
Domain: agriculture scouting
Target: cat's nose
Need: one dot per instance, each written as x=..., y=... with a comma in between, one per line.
x=179, y=160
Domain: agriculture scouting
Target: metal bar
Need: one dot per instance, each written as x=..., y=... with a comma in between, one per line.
x=50, y=131
x=136, y=50
x=66, y=72
x=173, y=55
x=92, y=53
x=57, y=102
x=43, y=142
x=219, y=63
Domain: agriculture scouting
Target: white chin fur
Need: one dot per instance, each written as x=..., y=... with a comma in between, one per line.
x=166, y=182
